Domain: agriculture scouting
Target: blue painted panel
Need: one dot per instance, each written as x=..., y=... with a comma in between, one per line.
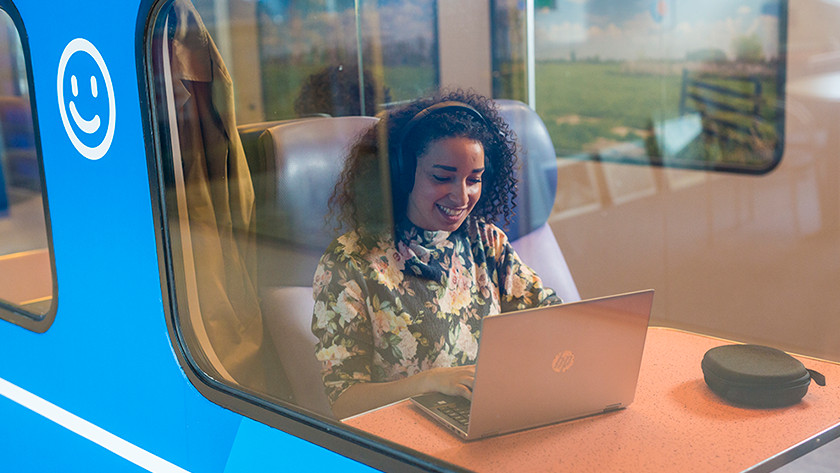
x=32, y=443
x=261, y=448
x=107, y=358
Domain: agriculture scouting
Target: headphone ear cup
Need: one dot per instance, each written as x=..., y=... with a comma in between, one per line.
x=489, y=175
x=401, y=175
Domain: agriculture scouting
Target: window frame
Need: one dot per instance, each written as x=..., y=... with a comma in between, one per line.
x=669, y=162
x=282, y=415
x=38, y=323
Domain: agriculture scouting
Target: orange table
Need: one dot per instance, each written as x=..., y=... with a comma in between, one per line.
x=675, y=424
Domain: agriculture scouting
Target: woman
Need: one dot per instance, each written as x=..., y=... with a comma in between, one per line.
x=398, y=306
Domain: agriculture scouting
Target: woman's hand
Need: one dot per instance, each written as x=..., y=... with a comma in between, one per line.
x=456, y=381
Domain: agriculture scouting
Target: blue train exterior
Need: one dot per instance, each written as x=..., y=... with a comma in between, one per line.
x=101, y=389
x=103, y=380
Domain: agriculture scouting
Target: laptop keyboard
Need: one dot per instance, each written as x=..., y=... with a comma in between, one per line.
x=460, y=413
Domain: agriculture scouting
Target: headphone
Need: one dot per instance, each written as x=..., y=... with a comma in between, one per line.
x=404, y=170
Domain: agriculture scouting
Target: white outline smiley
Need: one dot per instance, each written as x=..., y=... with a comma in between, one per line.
x=92, y=125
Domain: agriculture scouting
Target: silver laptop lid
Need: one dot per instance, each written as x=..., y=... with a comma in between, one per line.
x=550, y=364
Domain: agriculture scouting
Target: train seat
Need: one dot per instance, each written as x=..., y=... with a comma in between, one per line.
x=249, y=135
x=302, y=160
x=529, y=232
x=262, y=170
x=307, y=158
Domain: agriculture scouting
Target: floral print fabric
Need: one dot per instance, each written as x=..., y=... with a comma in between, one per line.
x=385, y=311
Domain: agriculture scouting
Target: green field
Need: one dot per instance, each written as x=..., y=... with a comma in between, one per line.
x=597, y=108
x=282, y=82
x=580, y=102
x=589, y=107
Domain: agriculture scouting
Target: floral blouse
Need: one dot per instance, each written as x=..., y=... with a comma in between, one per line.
x=385, y=311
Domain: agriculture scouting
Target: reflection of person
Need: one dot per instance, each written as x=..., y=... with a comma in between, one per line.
x=334, y=91
x=398, y=308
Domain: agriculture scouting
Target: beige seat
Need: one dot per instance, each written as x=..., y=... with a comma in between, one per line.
x=529, y=233
x=306, y=157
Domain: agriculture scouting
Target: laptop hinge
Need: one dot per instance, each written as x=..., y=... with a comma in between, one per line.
x=613, y=407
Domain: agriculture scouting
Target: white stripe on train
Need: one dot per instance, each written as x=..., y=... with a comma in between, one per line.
x=95, y=434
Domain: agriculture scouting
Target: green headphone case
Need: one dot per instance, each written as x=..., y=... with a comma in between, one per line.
x=757, y=376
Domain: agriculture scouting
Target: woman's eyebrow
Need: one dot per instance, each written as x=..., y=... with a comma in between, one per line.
x=453, y=168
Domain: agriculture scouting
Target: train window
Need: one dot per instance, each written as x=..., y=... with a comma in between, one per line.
x=235, y=244
x=244, y=229
x=303, y=47
x=665, y=82
x=27, y=287
x=256, y=102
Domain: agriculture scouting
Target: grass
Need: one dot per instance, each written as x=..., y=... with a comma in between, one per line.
x=282, y=82
x=585, y=106
x=581, y=101
x=588, y=105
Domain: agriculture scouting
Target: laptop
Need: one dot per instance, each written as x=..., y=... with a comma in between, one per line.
x=550, y=364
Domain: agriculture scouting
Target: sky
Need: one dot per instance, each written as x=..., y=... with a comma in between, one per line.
x=652, y=29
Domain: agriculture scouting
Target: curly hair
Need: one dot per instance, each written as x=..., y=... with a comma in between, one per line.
x=360, y=201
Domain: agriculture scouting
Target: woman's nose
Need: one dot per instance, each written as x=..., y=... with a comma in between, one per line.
x=460, y=192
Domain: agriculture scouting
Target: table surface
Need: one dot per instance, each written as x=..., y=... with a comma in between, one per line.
x=675, y=424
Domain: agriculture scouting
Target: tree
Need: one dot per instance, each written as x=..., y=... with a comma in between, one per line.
x=748, y=49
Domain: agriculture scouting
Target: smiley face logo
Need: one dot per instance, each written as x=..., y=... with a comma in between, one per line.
x=86, y=99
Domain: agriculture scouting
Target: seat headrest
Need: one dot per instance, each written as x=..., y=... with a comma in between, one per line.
x=307, y=156
x=537, y=175
x=249, y=135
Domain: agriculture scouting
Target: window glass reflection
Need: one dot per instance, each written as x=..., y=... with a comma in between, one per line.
x=310, y=54
x=667, y=82
x=248, y=187
x=246, y=220
x=26, y=278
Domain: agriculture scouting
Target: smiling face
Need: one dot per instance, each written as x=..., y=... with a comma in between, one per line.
x=87, y=126
x=86, y=99
x=447, y=184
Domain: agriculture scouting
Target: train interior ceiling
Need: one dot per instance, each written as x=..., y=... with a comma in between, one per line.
x=708, y=171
